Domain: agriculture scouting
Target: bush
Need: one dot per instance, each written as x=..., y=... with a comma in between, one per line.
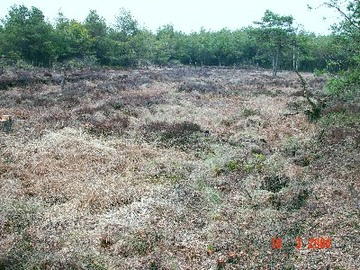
x=202, y=87
x=299, y=200
x=107, y=127
x=345, y=86
x=176, y=134
x=250, y=112
x=275, y=183
x=342, y=119
x=87, y=62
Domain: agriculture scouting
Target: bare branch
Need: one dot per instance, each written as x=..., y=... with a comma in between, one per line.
x=346, y=16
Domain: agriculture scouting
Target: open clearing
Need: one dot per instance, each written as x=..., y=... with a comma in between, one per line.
x=177, y=168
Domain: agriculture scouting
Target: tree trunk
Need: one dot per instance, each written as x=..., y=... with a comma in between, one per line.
x=276, y=62
x=273, y=65
x=63, y=79
x=295, y=58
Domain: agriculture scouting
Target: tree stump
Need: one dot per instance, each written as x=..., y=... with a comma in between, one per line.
x=6, y=123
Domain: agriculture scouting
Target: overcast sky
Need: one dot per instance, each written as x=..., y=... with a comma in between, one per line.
x=188, y=15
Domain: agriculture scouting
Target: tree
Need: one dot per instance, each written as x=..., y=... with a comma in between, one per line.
x=166, y=44
x=72, y=39
x=126, y=24
x=127, y=42
x=347, y=33
x=275, y=33
x=203, y=50
x=2, y=39
x=312, y=52
x=97, y=29
x=244, y=47
x=27, y=36
x=222, y=46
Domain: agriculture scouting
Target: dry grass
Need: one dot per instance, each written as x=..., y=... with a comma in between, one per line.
x=131, y=173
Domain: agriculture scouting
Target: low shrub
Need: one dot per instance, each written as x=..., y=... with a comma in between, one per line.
x=250, y=112
x=344, y=118
x=275, y=183
x=182, y=134
x=107, y=127
x=202, y=87
x=346, y=85
x=299, y=200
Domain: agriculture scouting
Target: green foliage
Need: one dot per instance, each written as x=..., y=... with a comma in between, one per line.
x=125, y=24
x=259, y=157
x=167, y=43
x=232, y=165
x=126, y=44
x=341, y=119
x=26, y=36
x=74, y=41
x=319, y=72
x=256, y=163
x=212, y=195
x=346, y=85
x=277, y=32
x=97, y=29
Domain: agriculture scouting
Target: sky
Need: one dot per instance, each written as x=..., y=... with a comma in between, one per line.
x=188, y=15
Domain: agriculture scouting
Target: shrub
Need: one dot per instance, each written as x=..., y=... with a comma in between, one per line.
x=232, y=165
x=175, y=134
x=345, y=86
x=275, y=183
x=250, y=112
x=255, y=164
x=107, y=127
x=299, y=200
x=291, y=147
x=341, y=119
x=43, y=102
x=202, y=87
x=137, y=100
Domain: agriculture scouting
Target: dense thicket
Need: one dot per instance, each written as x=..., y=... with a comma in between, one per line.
x=274, y=42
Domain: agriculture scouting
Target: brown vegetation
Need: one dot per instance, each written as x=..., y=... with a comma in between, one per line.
x=175, y=168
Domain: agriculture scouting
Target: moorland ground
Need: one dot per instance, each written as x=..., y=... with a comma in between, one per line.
x=176, y=168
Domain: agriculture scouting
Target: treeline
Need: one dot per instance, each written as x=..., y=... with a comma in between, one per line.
x=273, y=42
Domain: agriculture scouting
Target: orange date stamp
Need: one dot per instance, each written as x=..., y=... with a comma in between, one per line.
x=313, y=243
